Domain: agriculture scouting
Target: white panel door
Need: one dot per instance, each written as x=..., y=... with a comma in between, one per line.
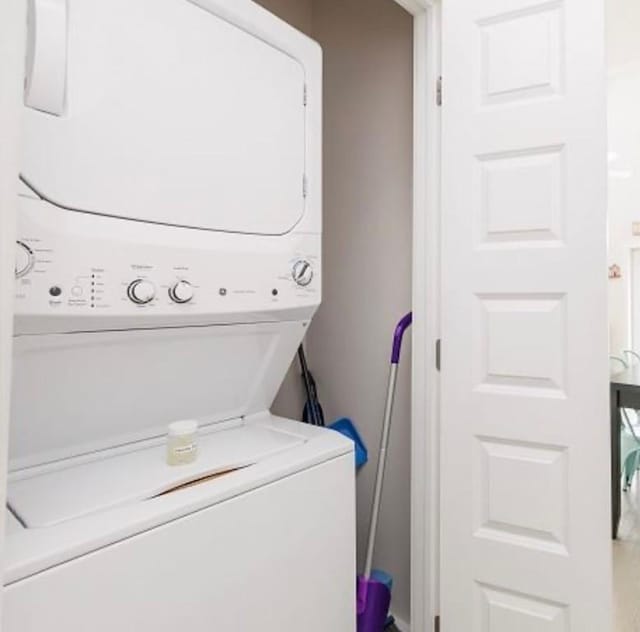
x=525, y=432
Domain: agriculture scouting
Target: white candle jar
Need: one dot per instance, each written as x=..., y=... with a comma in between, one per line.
x=182, y=442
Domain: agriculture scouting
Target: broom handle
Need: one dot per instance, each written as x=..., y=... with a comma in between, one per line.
x=377, y=494
x=384, y=441
x=307, y=385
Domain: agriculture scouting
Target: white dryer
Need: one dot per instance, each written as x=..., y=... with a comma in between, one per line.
x=168, y=264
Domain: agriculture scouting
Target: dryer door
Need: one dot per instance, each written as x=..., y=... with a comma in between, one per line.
x=162, y=111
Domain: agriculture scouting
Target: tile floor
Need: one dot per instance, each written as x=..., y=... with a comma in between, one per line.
x=626, y=564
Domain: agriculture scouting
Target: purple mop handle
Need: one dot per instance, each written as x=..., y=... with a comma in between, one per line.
x=384, y=441
x=401, y=327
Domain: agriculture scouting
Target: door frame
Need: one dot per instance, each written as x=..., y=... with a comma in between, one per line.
x=632, y=253
x=425, y=405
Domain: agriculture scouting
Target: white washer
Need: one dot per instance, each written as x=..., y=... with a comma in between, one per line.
x=168, y=264
x=268, y=547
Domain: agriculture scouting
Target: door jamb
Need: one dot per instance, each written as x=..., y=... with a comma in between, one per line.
x=425, y=411
x=630, y=256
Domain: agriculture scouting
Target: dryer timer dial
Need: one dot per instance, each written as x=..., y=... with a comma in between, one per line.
x=24, y=259
x=302, y=272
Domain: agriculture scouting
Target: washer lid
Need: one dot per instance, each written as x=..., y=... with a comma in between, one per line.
x=116, y=479
x=171, y=114
x=79, y=393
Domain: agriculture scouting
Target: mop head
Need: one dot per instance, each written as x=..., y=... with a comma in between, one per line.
x=374, y=599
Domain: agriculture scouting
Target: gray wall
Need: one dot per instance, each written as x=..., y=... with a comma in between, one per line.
x=296, y=12
x=367, y=248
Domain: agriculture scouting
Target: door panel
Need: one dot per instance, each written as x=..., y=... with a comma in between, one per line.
x=525, y=462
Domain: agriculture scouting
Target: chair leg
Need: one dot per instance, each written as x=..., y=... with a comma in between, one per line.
x=636, y=465
x=629, y=468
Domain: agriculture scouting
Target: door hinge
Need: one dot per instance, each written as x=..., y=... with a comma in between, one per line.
x=438, y=353
x=439, y=91
x=305, y=186
x=304, y=95
x=436, y=624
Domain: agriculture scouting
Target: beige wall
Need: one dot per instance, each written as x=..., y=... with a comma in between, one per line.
x=367, y=248
x=295, y=12
x=367, y=217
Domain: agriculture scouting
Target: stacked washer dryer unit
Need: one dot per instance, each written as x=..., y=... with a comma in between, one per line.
x=168, y=264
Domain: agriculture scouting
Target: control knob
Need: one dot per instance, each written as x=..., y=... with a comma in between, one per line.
x=302, y=272
x=181, y=292
x=24, y=259
x=141, y=291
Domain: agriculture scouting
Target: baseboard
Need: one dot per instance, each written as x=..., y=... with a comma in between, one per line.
x=402, y=626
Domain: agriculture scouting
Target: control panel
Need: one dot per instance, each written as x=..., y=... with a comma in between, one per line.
x=79, y=276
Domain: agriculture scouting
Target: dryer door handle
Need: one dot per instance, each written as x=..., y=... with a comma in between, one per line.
x=46, y=79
